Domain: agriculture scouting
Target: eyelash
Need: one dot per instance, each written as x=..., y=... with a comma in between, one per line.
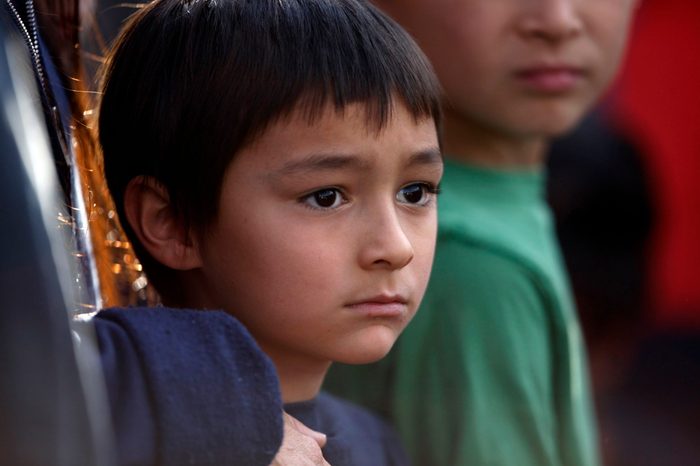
x=306, y=199
x=430, y=190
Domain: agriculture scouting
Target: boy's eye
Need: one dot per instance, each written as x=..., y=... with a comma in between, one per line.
x=417, y=194
x=327, y=198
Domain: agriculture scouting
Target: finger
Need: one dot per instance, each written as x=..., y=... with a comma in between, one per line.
x=319, y=437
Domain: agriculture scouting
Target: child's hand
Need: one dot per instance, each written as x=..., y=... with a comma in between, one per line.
x=301, y=446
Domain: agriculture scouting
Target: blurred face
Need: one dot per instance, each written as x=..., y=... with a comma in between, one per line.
x=519, y=67
x=325, y=235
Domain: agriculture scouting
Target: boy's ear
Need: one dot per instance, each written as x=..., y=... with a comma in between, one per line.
x=160, y=231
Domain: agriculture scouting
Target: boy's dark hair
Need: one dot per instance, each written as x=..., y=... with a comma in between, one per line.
x=188, y=84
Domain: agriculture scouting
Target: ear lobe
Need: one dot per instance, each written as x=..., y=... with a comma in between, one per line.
x=149, y=213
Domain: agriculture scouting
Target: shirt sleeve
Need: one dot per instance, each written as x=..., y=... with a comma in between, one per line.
x=129, y=401
x=188, y=387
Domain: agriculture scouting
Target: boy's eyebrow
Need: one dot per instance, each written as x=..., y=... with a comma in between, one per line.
x=432, y=155
x=320, y=161
x=335, y=161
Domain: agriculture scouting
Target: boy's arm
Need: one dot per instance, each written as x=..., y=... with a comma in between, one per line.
x=129, y=400
x=188, y=387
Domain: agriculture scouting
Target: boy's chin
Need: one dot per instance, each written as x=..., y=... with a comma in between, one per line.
x=549, y=125
x=369, y=347
x=558, y=120
x=562, y=127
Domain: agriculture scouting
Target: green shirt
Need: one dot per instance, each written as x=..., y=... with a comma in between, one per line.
x=492, y=369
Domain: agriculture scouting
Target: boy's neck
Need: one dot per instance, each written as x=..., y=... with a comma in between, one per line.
x=300, y=379
x=487, y=147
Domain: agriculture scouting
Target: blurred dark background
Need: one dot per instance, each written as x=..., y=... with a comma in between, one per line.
x=625, y=189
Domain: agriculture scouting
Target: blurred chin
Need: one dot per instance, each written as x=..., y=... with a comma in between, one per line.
x=560, y=128
x=551, y=122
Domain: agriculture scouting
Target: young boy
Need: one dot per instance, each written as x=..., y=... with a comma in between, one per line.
x=279, y=160
x=493, y=370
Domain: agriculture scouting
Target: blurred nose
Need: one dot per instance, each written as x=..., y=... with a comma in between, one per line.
x=550, y=20
x=385, y=244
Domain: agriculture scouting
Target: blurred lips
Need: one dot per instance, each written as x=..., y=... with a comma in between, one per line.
x=383, y=305
x=550, y=79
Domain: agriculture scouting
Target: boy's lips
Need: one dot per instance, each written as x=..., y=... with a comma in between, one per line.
x=550, y=79
x=383, y=305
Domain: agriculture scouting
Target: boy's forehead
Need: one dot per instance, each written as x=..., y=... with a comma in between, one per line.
x=333, y=137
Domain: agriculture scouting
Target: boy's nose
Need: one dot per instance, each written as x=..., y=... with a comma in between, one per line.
x=550, y=20
x=385, y=244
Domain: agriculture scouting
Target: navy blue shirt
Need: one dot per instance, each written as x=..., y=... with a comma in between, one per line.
x=356, y=437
